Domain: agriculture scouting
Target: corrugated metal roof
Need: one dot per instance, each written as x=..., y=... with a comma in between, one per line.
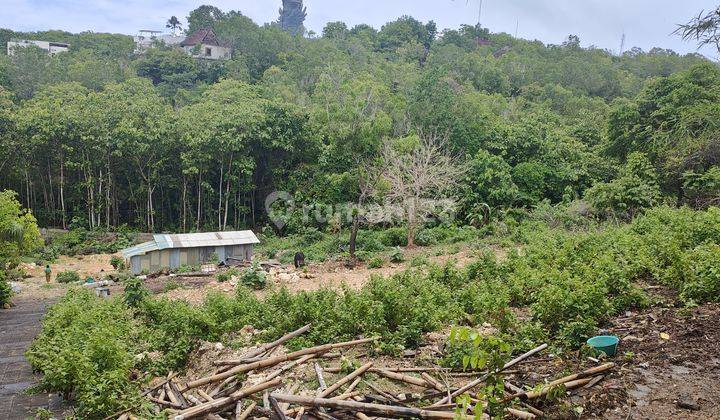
x=192, y=240
x=140, y=249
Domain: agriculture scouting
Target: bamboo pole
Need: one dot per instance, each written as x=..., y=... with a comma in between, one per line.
x=245, y=413
x=337, y=369
x=405, y=378
x=334, y=387
x=320, y=377
x=266, y=347
x=520, y=414
x=222, y=403
x=376, y=409
x=483, y=378
x=432, y=381
x=564, y=380
x=273, y=361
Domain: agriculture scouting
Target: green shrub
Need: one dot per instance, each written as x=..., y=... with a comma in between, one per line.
x=228, y=274
x=254, y=277
x=117, y=262
x=396, y=236
x=5, y=289
x=376, y=262
x=703, y=277
x=68, y=276
x=86, y=349
x=397, y=256
x=135, y=292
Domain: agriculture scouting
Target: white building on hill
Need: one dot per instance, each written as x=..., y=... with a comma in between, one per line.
x=52, y=48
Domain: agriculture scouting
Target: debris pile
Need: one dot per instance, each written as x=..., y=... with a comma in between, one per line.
x=265, y=383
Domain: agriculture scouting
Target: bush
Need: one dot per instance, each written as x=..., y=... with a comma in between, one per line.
x=68, y=276
x=397, y=256
x=254, y=277
x=228, y=274
x=5, y=289
x=376, y=262
x=86, y=349
x=117, y=262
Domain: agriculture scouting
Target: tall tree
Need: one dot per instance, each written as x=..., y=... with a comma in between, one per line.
x=704, y=28
x=173, y=24
x=292, y=16
x=204, y=17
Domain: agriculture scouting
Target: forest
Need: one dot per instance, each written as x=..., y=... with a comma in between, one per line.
x=573, y=194
x=100, y=137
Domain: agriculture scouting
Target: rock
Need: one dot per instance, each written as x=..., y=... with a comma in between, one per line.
x=7, y=305
x=219, y=347
x=687, y=403
x=631, y=338
x=16, y=288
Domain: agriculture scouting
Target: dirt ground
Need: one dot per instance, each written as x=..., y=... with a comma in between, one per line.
x=668, y=359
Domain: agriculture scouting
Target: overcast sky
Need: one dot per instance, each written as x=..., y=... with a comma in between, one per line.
x=646, y=23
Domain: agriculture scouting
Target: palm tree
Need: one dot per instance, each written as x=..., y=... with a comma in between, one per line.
x=174, y=24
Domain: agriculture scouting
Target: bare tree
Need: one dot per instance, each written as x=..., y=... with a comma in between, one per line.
x=419, y=177
x=705, y=28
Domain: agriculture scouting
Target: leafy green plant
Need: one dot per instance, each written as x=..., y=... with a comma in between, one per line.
x=5, y=289
x=117, y=262
x=68, y=276
x=397, y=256
x=226, y=275
x=467, y=348
x=253, y=277
x=376, y=262
x=135, y=292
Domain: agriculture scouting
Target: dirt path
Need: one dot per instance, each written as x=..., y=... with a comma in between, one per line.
x=18, y=327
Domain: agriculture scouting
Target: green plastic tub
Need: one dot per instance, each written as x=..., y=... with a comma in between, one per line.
x=605, y=343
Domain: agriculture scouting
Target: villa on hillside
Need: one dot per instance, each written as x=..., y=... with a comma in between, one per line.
x=50, y=47
x=205, y=44
x=147, y=38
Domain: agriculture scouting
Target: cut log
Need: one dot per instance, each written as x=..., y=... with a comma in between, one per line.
x=272, y=361
x=337, y=369
x=226, y=402
x=405, y=378
x=320, y=377
x=245, y=413
x=520, y=414
x=375, y=409
x=432, y=381
x=357, y=372
x=566, y=379
x=279, y=412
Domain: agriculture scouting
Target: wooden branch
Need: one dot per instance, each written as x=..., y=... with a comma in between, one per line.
x=359, y=371
x=405, y=378
x=246, y=412
x=273, y=361
x=320, y=377
x=375, y=409
x=279, y=412
x=337, y=369
x=269, y=346
x=482, y=379
x=570, y=378
x=223, y=403
x=433, y=382
x=520, y=414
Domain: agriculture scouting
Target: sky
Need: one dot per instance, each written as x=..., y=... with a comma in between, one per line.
x=645, y=23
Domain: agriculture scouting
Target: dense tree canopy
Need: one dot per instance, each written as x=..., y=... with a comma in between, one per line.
x=103, y=137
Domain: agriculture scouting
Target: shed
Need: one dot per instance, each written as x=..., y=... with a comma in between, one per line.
x=173, y=251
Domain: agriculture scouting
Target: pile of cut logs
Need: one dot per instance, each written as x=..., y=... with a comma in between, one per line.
x=227, y=394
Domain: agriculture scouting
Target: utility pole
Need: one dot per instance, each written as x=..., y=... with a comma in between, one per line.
x=622, y=44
